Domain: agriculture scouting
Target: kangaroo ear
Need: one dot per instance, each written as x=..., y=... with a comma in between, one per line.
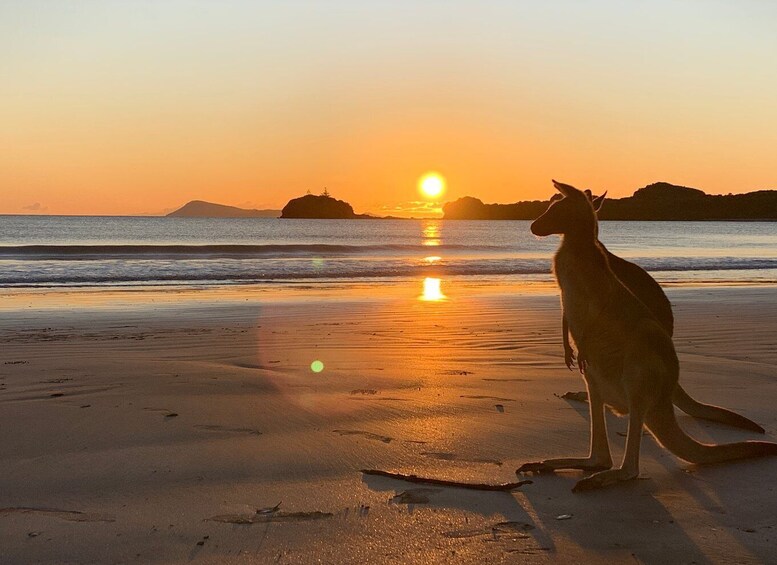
x=565, y=189
x=598, y=201
x=588, y=194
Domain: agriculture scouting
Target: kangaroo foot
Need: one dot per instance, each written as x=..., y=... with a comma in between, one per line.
x=550, y=465
x=604, y=479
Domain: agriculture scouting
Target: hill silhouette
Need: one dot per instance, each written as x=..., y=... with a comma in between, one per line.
x=202, y=209
x=657, y=201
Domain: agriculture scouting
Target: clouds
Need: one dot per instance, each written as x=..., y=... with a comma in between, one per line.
x=35, y=207
x=424, y=209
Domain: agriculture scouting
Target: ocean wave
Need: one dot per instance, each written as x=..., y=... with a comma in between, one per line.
x=219, y=251
x=154, y=271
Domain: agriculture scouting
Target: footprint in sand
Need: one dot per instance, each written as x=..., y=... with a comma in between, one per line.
x=368, y=435
x=69, y=515
x=500, y=530
x=260, y=518
x=516, y=380
x=216, y=428
x=481, y=397
x=414, y=496
x=378, y=398
x=579, y=396
x=444, y=456
x=168, y=413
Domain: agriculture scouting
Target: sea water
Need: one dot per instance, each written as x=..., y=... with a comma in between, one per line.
x=45, y=251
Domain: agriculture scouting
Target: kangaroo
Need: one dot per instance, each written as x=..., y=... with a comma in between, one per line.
x=631, y=363
x=649, y=292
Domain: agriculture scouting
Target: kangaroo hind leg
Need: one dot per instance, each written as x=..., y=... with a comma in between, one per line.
x=629, y=469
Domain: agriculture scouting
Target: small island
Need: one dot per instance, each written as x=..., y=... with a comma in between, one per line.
x=314, y=206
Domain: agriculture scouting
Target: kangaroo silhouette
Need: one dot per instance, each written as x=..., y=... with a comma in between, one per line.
x=650, y=293
x=630, y=361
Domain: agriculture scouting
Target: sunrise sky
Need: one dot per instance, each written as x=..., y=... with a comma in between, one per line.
x=137, y=107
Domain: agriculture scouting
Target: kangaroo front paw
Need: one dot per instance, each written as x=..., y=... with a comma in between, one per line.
x=569, y=357
x=603, y=479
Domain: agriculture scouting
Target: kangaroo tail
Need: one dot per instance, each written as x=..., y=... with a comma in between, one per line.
x=697, y=409
x=662, y=422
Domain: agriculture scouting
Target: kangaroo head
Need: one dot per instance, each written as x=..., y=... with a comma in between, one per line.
x=571, y=212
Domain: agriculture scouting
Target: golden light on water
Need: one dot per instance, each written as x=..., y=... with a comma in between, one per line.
x=431, y=233
x=431, y=185
x=432, y=291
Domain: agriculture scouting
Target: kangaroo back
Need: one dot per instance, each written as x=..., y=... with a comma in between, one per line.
x=644, y=287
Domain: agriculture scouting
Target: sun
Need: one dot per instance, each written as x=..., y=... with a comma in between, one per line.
x=431, y=185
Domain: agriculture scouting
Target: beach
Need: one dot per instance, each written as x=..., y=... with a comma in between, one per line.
x=189, y=425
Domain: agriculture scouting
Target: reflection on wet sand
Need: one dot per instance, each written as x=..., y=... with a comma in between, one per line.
x=432, y=291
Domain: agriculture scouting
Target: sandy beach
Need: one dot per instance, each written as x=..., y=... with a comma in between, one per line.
x=166, y=426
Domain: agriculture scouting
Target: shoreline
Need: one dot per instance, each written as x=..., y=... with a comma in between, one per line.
x=11, y=297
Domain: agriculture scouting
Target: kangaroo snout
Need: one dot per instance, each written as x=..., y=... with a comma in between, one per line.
x=538, y=229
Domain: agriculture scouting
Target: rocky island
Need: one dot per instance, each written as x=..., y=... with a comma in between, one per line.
x=657, y=201
x=313, y=206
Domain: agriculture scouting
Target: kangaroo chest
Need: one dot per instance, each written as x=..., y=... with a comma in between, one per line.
x=585, y=298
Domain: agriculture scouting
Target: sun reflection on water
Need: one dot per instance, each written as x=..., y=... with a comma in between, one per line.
x=431, y=233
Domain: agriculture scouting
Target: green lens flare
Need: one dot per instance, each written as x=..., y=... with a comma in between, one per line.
x=316, y=366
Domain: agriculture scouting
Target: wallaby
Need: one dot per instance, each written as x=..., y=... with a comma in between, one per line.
x=650, y=293
x=631, y=364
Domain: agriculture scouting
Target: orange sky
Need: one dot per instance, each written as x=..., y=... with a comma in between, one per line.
x=136, y=108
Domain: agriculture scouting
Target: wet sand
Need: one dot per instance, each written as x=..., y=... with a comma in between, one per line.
x=174, y=427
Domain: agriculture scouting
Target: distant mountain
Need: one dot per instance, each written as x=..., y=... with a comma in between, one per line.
x=324, y=207
x=201, y=209
x=664, y=201
x=658, y=201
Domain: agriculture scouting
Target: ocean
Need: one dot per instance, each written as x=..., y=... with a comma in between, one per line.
x=67, y=251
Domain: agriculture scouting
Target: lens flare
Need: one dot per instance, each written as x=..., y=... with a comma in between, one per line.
x=316, y=366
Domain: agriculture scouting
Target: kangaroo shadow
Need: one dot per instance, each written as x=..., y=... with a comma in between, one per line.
x=737, y=495
x=649, y=516
x=626, y=519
